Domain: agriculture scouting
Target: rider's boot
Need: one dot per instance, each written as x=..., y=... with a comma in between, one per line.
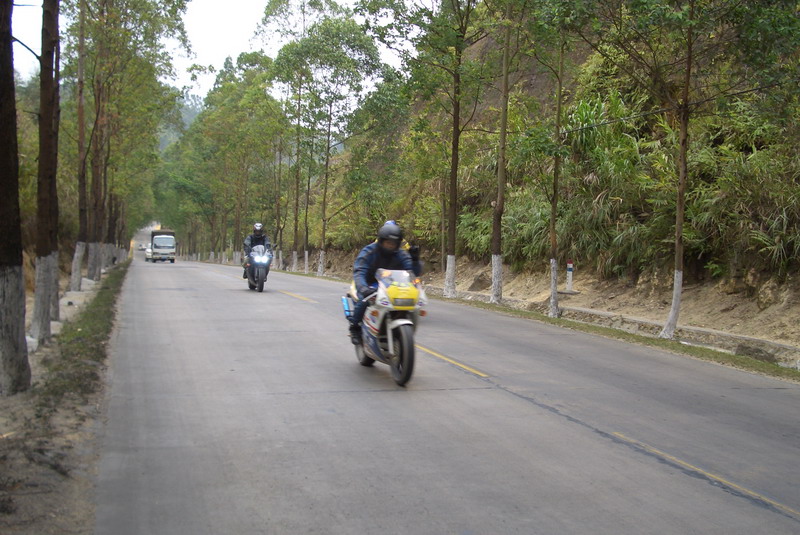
x=355, y=334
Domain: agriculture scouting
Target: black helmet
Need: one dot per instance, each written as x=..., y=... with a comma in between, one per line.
x=390, y=231
x=258, y=229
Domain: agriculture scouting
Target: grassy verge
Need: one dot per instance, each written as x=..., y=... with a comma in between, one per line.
x=703, y=353
x=74, y=371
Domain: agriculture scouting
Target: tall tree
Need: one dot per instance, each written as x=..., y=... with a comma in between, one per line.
x=441, y=35
x=687, y=54
x=549, y=36
x=339, y=56
x=47, y=195
x=83, y=231
x=15, y=371
x=498, y=206
x=281, y=17
x=125, y=55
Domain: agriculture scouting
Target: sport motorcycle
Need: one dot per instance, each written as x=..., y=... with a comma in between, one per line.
x=390, y=321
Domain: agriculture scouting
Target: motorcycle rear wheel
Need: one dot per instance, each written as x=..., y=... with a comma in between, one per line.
x=402, y=362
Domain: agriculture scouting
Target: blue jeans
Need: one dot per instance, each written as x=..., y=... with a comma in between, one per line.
x=358, y=312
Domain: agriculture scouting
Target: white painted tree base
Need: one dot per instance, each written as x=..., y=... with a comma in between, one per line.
x=321, y=265
x=497, y=279
x=40, y=324
x=95, y=262
x=553, y=312
x=55, y=310
x=450, y=277
x=15, y=371
x=668, y=331
x=77, y=265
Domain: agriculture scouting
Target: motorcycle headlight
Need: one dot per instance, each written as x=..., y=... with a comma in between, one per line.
x=404, y=302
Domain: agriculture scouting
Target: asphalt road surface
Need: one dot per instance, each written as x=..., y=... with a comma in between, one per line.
x=237, y=412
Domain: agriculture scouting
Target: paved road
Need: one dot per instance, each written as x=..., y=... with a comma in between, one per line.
x=234, y=412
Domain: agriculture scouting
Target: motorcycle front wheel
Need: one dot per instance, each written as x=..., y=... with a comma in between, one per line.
x=262, y=276
x=402, y=361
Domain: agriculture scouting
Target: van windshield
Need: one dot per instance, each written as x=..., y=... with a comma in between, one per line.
x=163, y=242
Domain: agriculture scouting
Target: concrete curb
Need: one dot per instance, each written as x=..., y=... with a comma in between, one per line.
x=781, y=354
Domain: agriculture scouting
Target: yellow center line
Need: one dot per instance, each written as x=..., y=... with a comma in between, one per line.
x=709, y=475
x=227, y=273
x=290, y=294
x=451, y=361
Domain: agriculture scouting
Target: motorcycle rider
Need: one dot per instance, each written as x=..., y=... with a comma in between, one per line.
x=413, y=250
x=387, y=253
x=258, y=237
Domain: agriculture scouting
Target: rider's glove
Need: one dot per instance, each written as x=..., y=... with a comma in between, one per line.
x=366, y=291
x=414, y=252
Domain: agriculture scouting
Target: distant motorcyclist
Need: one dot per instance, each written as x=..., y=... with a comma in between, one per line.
x=386, y=253
x=258, y=237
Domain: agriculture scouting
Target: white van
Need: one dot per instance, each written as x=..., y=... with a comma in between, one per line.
x=163, y=246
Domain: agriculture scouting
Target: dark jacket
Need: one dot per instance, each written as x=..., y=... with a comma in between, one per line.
x=252, y=240
x=371, y=258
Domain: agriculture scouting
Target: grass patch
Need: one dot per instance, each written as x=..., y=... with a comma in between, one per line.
x=75, y=369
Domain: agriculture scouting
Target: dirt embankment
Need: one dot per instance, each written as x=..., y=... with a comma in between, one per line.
x=755, y=305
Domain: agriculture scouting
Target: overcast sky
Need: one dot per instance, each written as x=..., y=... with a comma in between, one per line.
x=216, y=28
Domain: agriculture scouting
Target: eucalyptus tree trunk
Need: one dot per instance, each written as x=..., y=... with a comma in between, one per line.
x=278, y=224
x=47, y=193
x=321, y=265
x=15, y=371
x=296, y=237
x=499, y=204
x=683, y=171
x=238, y=240
x=55, y=309
x=99, y=142
x=668, y=330
x=553, y=311
x=443, y=222
x=80, y=246
x=307, y=203
x=76, y=275
x=450, y=270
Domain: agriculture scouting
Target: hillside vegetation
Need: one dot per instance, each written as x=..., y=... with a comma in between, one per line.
x=634, y=138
